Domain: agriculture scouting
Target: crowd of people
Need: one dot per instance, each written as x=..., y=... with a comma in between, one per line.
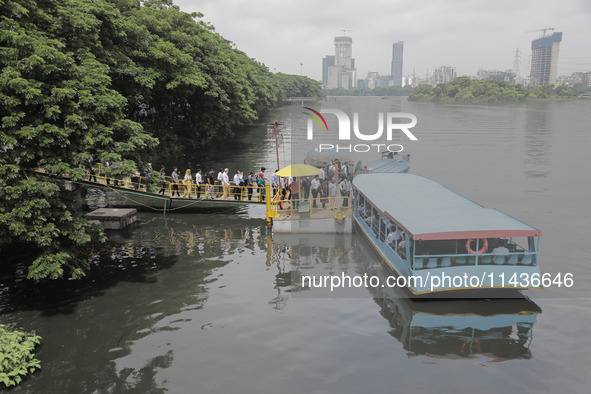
x=332, y=181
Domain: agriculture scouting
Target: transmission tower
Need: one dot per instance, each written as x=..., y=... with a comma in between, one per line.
x=516, y=62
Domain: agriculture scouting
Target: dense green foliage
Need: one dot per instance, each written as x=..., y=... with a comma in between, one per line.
x=377, y=91
x=108, y=78
x=482, y=91
x=16, y=355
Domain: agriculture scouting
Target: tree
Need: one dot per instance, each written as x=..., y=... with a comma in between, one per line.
x=57, y=109
x=82, y=77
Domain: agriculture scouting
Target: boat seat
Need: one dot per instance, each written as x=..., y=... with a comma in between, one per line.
x=526, y=260
x=445, y=262
x=471, y=260
x=419, y=264
x=512, y=259
x=485, y=260
x=461, y=260
x=499, y=260
x=432, y=263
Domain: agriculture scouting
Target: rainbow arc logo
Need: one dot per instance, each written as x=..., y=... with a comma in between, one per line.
x=315, y=115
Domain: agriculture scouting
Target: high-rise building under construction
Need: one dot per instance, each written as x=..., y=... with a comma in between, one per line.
x=544, y=59
x=341, y=73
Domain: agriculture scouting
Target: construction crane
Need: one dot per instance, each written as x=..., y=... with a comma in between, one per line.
x=542, y=30
x=345, y=32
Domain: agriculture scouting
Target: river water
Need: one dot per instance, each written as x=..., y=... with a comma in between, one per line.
x=205, y=302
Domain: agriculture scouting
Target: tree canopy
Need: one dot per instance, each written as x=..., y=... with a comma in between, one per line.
x=108, y=78
x=483, y=91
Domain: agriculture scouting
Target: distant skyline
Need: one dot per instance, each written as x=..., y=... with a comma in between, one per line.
x=466, y=34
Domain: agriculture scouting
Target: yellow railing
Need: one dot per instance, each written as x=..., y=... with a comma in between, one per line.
x=205, y=191
x=320, y=207
x=183, y=189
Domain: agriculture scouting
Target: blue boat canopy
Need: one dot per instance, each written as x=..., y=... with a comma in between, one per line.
x=388, y=165
x=428, y=210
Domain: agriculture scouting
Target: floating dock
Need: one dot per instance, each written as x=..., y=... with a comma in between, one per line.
x=112, y=218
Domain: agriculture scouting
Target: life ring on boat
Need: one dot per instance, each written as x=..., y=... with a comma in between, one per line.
x=482, y=250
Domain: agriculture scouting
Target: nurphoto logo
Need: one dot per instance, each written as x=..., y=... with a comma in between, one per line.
x=391, y=120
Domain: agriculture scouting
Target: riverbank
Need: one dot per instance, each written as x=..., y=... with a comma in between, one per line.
x=464, y=90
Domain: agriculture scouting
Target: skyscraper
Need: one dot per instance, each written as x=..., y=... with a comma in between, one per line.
x=343, y=51
x=342, y=74
x=396, y=71
x=544, y=59
x=327, y=61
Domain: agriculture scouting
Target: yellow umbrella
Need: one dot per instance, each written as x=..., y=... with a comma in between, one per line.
x=296, y=170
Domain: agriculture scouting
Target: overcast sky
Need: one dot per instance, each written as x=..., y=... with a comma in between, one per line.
x=467, y=34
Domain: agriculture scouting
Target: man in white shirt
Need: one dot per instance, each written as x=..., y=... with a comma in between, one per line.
x=198, y=181
x=391, y=235
x=332, y=189
x=314, y=188
x=501, y=248
x=219, y=182
x=237, y=179
x=225, y=183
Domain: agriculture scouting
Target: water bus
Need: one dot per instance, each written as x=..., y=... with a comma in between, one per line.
x=437, y=240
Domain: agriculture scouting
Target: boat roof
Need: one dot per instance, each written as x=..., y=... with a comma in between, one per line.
x=428, y=210
x=388, y=165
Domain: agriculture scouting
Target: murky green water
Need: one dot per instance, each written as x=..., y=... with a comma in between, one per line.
x=205, y=302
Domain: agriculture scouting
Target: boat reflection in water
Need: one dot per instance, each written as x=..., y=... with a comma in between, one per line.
x=500, y=329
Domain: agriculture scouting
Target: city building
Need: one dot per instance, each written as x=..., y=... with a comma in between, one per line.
x=341, y=74
x=576, y=78
x=396, y=68
x=327, y=61
x=505, y=76
x=443, y=74
x=371, y=80
x=385, y=80
x=544, y=59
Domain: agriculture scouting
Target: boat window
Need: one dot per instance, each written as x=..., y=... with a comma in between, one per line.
x=489, y=251
x=391, y=235
x=401, y=244
x=375, y=220
x=383, y=228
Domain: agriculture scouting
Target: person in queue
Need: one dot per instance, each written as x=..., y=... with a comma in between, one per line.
x=275, y=182
x=294, y=193
x=315, y=188
x=163, y=183
x=345, y=186
x=250, y=184
x=187, y=181
x=219, y=182
x=261, y=181
x=198, y=182
x=210, y=182
x=175, y=182
x=225, y=183
x=237, y=180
